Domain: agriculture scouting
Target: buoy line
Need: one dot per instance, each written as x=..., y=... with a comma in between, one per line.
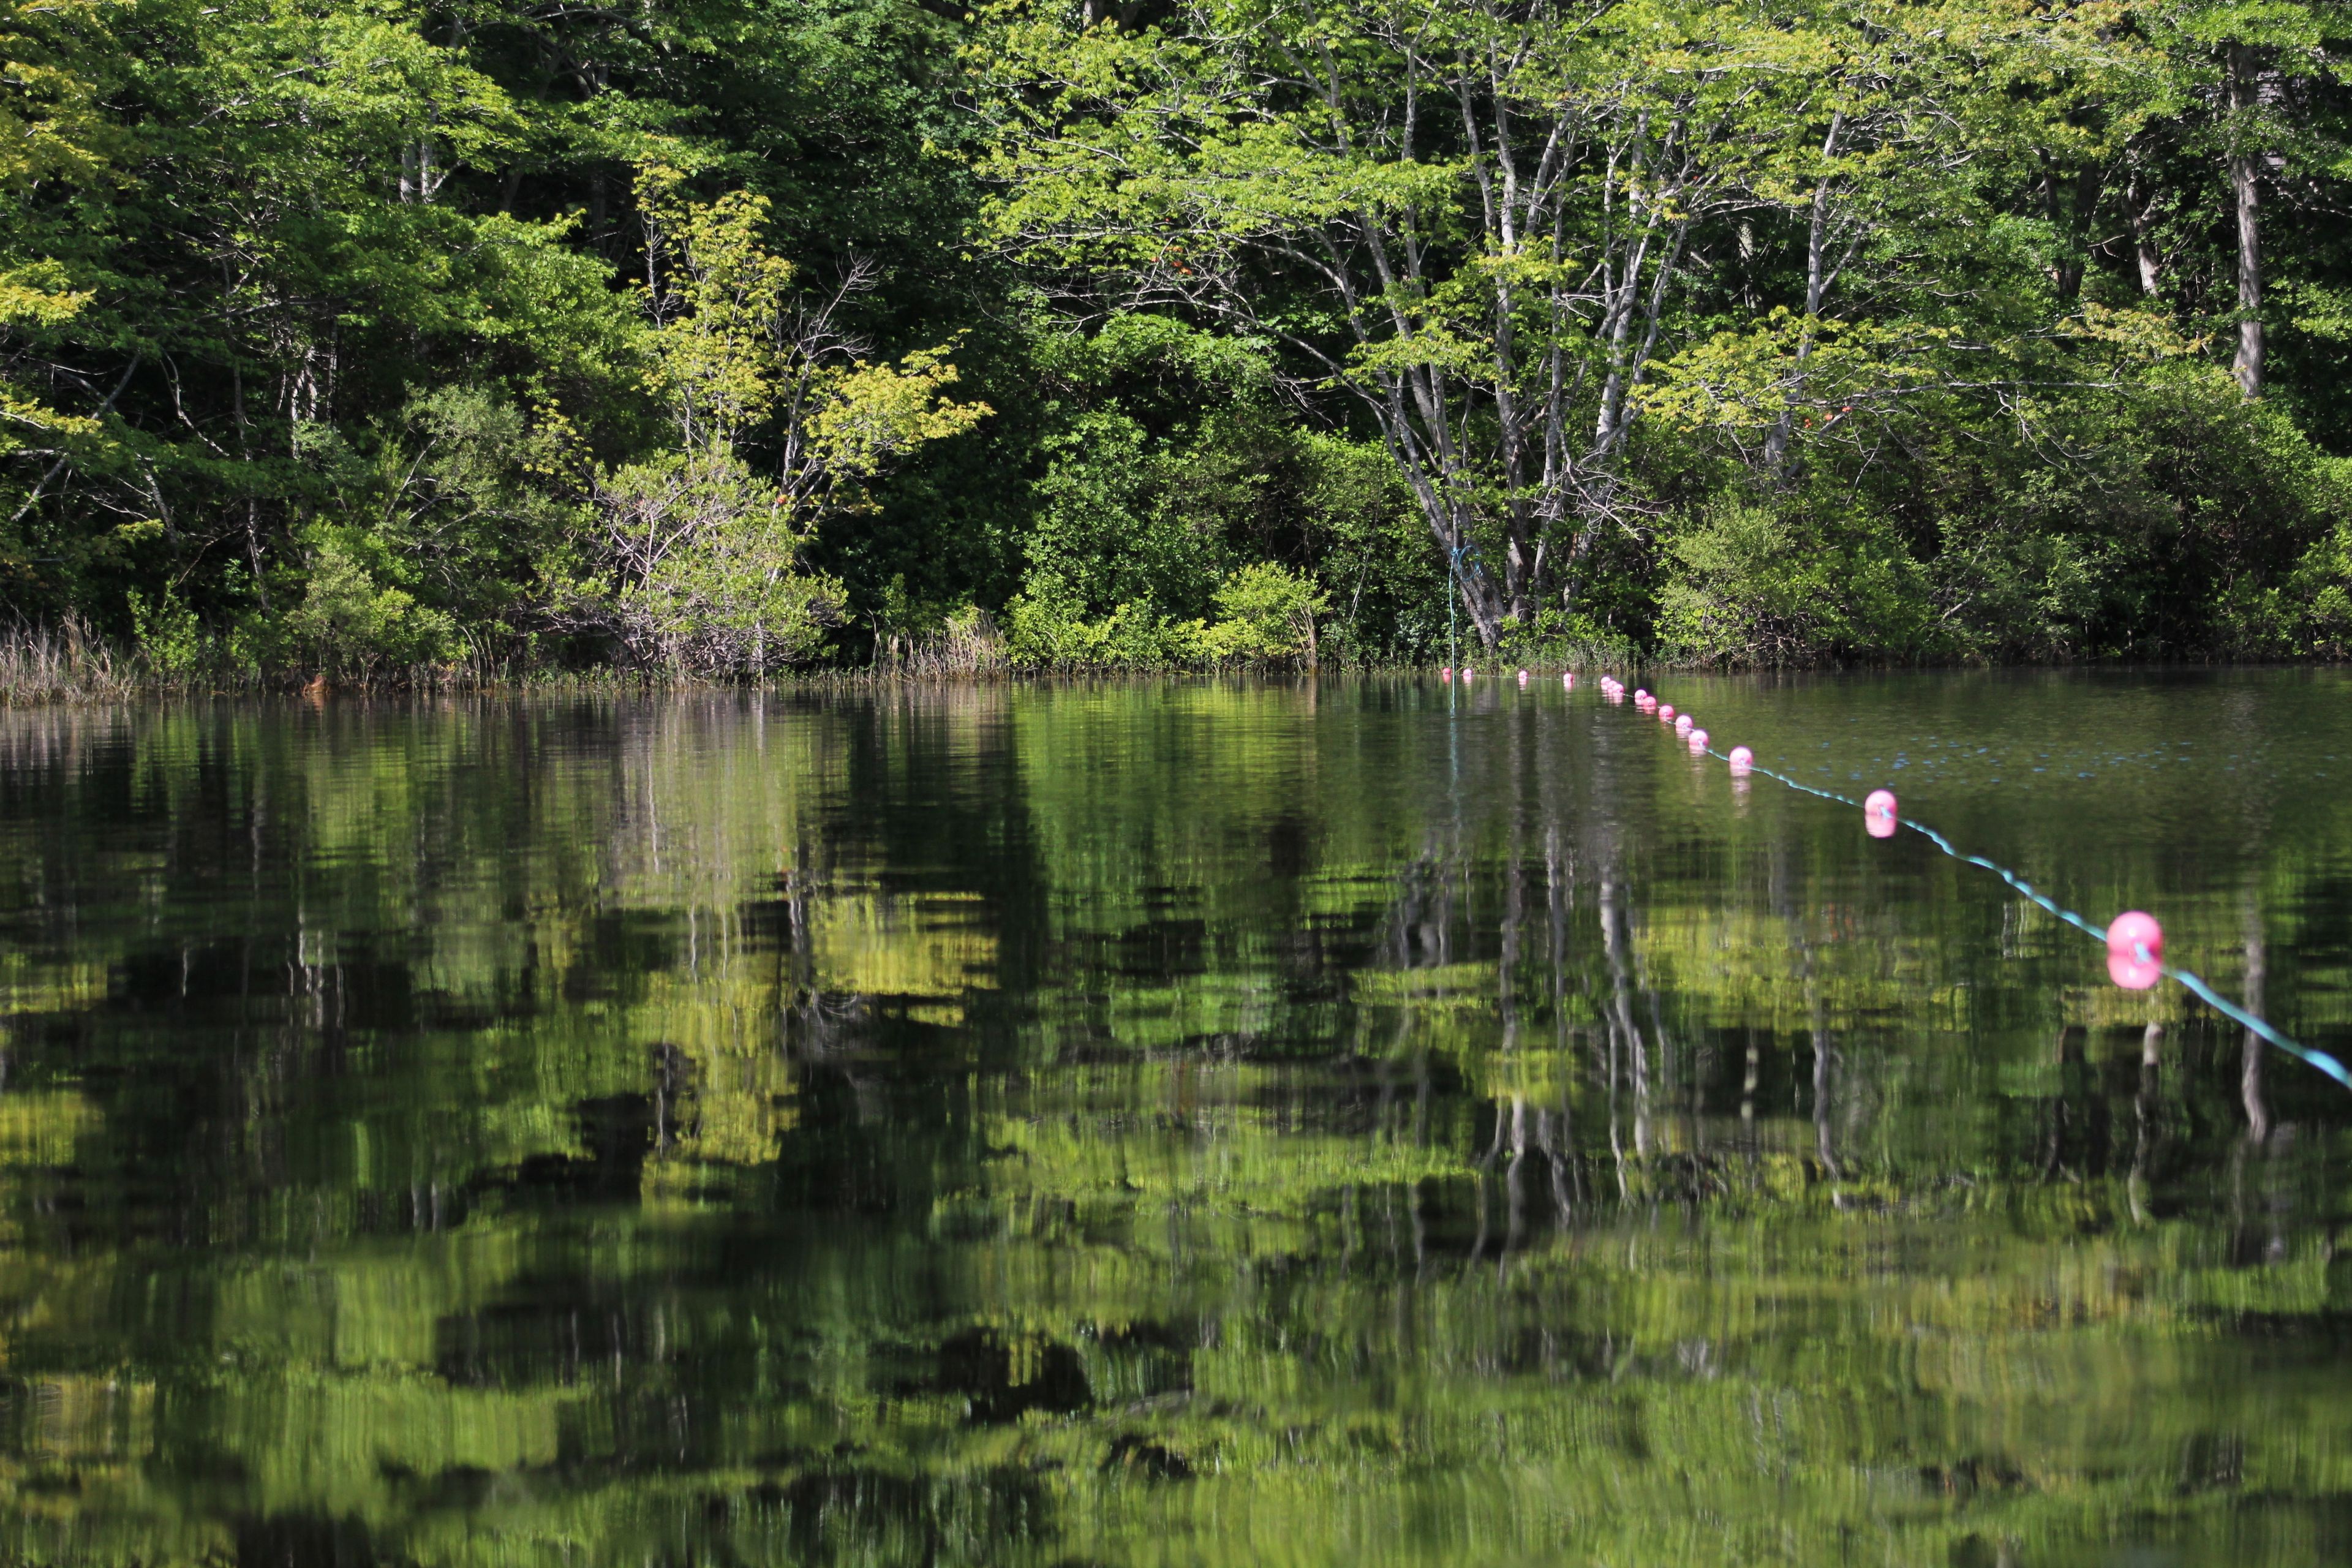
x=2134, y=940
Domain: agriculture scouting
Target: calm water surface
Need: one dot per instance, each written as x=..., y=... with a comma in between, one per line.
x=1345, y=1123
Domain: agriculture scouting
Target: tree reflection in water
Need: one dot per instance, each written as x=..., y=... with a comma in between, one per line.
x=1353, y=1121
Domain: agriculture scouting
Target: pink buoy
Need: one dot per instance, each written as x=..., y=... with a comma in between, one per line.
x=1523, y=678
x=1878, y=814
x=1683, y=725
x=2135, y=951
x=1741, y=758
x=1466, y=673
x=1640, y=695
x=1665, y=710
x=1445, y=672
x=1568, y=679
x=1698, y=742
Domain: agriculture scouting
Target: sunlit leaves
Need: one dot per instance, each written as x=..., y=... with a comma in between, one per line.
x=1747, y=381
x=865, y=415
x=718, y=304
x=704, y=552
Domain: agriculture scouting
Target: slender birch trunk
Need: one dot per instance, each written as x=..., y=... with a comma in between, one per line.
x=2246, y=194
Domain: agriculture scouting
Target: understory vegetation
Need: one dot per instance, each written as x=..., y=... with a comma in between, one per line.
x=439, y=340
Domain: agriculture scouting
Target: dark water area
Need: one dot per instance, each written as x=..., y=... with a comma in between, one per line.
x=1354, y=1122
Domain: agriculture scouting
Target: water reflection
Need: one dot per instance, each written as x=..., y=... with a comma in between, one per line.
x=1365, y=1122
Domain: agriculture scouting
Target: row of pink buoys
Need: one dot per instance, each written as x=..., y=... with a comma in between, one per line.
x=1446, y=672
x=2135, y=940
x=1685, y=727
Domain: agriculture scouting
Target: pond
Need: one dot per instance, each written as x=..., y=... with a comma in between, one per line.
x=1354, y=1122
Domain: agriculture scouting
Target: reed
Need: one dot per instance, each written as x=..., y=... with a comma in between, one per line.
x=968, y=643
x=66, y=662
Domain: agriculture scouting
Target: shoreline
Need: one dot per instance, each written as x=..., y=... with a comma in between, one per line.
x=123, y=688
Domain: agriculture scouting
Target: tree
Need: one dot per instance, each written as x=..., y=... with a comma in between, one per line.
x=1471, y=218
x=55, y=143
x=2244, y=86
x=701, y=552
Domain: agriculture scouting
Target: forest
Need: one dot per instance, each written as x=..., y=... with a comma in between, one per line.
x=435, y=342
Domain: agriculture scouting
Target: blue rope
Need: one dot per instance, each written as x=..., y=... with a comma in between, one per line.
x=2195, y=984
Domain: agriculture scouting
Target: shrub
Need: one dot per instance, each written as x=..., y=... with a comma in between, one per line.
x=170, y=639
x=1758, y=582
x=702, y=568
x=351, y=623
x=1266, y=611
x=1052, y=632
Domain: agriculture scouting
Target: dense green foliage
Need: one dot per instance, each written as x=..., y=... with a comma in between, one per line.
x=377, y=339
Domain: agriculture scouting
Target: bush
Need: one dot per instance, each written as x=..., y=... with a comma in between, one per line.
x=1758, y=582
x=1054, y=634
x=1560, y=637
x=170, y=639
x=701, y=569
x=352, y=624
x=2161, y=518
x=1266, y=611
x=478, y=502
x=1109, y=529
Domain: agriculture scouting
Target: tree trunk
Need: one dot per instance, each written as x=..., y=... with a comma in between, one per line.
x=1436, y=486
x=245, y=452
x=1487, y=608
x=2071, y=221
x=1776, y=444
x=2247, y=194
x=2139, y=211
